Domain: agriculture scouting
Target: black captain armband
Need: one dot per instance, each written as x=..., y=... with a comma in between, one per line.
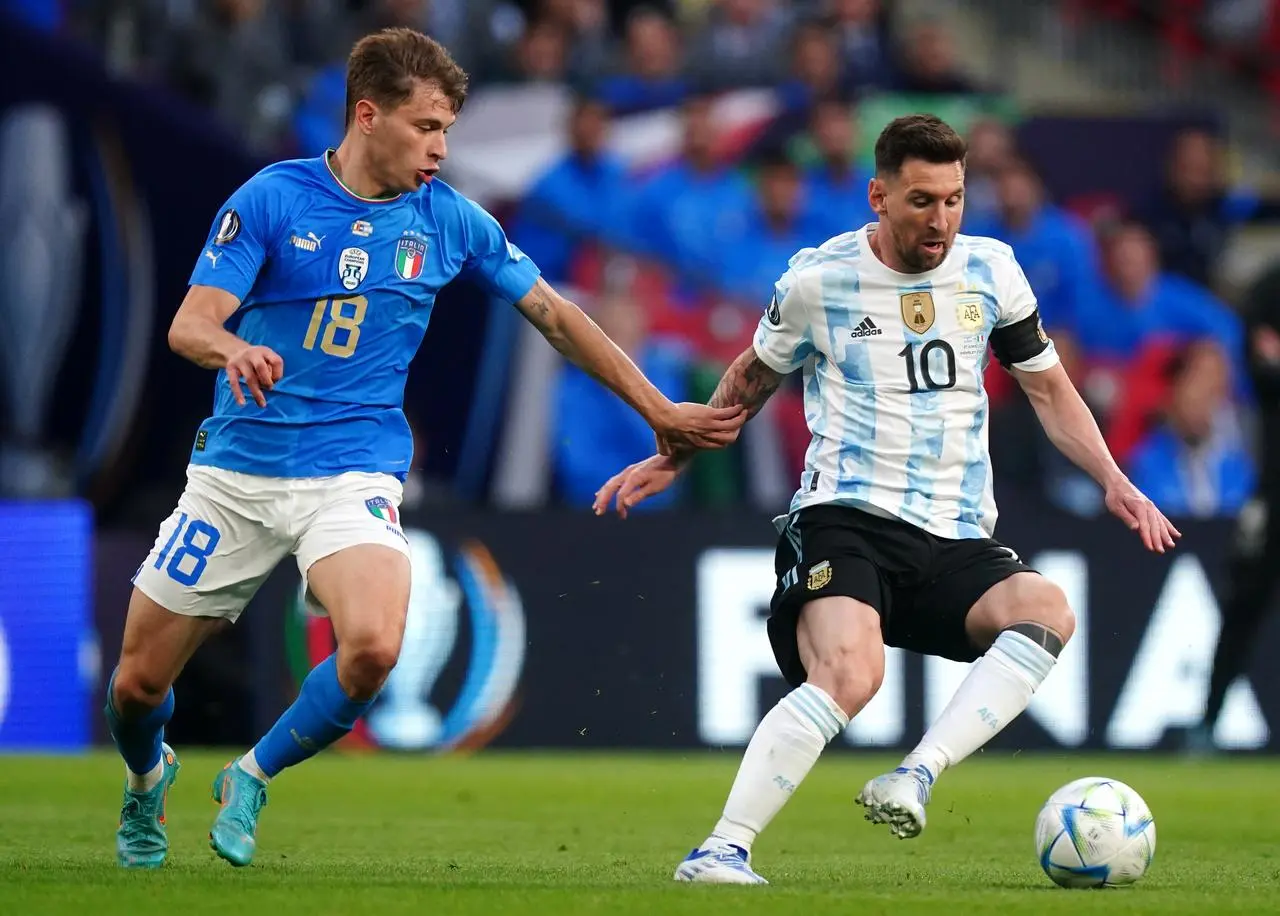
x=1020, y=341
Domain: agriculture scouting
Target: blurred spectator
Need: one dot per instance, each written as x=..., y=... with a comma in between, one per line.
x=584, y=25
x=650, y=75
x=860, y=30
x=541, y=55
x=774, y=230
x=228, y=59
x=1054, y=249
x=928, y=62
x=1193, y=218
x=691, y=208
x=581, y=196
x=741, y=44
x=596, y=434
x=1195, y=463
x=991, y=148
x=1137, y=304
x=835, y=185
x=814, y=72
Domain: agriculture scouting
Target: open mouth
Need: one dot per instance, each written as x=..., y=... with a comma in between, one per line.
x=427, y=174
x=933, y=247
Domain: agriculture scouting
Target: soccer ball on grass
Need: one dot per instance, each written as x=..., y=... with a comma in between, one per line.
x=1095, y=832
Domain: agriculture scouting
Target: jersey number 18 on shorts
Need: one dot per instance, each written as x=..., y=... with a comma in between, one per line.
x=199, y=539
x=338, y=320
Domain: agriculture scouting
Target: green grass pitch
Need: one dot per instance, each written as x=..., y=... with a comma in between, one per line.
x=590, y=833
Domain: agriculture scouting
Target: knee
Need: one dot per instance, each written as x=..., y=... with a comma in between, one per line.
x=848, y=678
x=134, y=689
x=1046, y=604
x=364, y=663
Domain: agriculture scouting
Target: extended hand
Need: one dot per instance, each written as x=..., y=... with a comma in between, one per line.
x=698, y=426
x=636, y=483
x=260, y=367
x=1127, y=503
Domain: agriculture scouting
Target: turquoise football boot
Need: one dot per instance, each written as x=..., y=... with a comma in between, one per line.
x=141, y=841
x=242, y=797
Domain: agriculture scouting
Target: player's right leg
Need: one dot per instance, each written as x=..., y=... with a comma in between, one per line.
x=208, y=560
x=157, y=644
x=838, y=644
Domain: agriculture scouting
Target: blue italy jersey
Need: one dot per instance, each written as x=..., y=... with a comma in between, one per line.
x=342, y=288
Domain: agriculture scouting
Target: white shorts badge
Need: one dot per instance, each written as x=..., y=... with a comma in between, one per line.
x=353, y=264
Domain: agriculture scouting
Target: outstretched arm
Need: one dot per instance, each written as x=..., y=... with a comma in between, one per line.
x=747, y=382
x=1070, y=426
x=678, y=426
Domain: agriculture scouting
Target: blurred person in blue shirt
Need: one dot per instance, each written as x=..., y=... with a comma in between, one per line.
x=650, y=74
x=775, y=229
x=991, y=148
x=1196, y=212
x=1056, y=250
x=1195, y=463
x=592, y=435
x=835, y=187
x=1138, y=303
x=686, y=212
x=579, y=197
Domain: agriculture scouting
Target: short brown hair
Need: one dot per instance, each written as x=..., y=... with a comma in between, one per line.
x=384, y=66
x=918, y=136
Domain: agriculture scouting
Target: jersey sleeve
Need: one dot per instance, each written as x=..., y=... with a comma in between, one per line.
x=496, y=263
x=1019, y=339
x=784, y=337
x=239, y=240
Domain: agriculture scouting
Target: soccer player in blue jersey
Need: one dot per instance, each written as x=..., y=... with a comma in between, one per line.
x=310, y=298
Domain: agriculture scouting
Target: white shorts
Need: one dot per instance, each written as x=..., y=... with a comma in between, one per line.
x=230, y=530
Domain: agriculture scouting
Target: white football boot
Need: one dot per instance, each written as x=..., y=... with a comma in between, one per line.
x=898, y=799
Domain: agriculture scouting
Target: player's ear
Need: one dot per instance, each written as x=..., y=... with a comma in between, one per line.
x=876, y=194
x=365, y=114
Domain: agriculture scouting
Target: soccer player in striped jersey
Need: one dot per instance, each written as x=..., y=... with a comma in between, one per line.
x=889, y=539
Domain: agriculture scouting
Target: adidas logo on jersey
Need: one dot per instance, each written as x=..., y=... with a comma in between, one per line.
x=867, y=328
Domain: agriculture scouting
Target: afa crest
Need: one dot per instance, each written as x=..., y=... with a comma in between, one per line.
x=819, y=576
x=969, y=312
x=917, y=310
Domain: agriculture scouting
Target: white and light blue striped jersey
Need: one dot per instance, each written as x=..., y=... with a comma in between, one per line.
x=893, y=376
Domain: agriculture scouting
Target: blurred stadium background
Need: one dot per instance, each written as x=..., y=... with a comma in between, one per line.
x=660, y=161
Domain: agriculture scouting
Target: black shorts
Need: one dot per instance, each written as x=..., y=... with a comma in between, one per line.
x=922, y=585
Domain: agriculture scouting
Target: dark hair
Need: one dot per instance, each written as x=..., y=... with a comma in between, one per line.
x=384, y=66
x=918, y=136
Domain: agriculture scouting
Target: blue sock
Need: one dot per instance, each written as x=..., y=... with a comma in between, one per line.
x=320, y=715
x=138, y=740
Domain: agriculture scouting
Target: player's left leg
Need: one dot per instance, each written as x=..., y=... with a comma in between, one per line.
x=1019, y=623
x=356, y=566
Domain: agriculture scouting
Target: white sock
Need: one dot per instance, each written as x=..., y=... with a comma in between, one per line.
x=249, y=763
x=145, y=782
x=996, y=691
x=785, y=746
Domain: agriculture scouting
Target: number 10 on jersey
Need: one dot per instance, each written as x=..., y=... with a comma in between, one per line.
x=343, y=314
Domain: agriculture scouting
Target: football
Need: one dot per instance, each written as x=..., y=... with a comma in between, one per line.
x=1095, y=832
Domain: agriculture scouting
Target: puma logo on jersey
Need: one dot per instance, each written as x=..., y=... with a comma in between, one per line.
x=866, y=328
x=310, y=243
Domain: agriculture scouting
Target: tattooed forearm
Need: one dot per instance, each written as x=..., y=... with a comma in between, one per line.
x=748, y=382
x=538, y=305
